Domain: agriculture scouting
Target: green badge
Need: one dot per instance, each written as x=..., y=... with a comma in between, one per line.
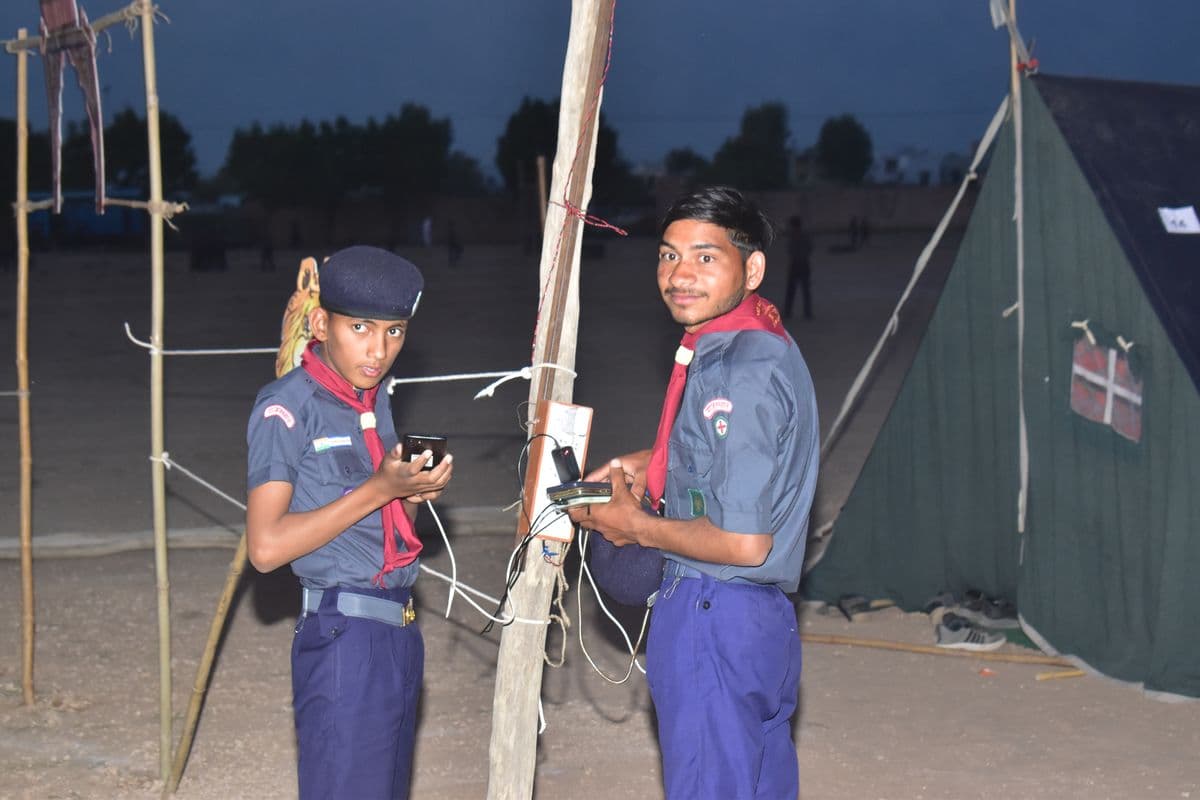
x=721, y=425
x=698, y=508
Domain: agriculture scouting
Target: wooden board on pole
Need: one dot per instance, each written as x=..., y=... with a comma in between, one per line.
x=513, y=748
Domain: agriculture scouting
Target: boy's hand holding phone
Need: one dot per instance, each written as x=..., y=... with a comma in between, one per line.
x=418, y=475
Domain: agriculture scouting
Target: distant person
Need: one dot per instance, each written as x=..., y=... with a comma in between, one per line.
x=330, y=493
x=454, y=246
x=266, y=257
x=427, y=231
x=735, y=462
x=800, y=247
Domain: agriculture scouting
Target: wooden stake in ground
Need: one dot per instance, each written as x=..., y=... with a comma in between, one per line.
x=204, y=669
x=23, y=372
x=513, y=749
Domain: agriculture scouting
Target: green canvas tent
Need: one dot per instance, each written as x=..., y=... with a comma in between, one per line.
x=1110, y=374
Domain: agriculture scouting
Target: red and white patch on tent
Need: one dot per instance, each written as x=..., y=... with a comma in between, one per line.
x=1104, y=390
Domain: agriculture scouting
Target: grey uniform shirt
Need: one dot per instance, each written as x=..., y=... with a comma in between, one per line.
x=744, y=449
x=302, y=434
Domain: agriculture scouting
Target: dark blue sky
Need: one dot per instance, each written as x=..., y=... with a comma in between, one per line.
x=925, y=73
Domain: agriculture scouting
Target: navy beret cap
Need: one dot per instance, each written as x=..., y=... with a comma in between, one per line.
x=370, y=283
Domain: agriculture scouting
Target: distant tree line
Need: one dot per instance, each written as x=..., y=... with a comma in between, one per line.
x=758, y=157
x=410, y=155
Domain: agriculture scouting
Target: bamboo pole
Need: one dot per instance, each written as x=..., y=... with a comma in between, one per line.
x=200, y=686
x=127, y=14
x=513, y=746
x=157, y=467
x=22, y=221
x=883, y=644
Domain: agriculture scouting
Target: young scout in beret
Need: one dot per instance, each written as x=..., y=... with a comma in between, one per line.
x=330, y=494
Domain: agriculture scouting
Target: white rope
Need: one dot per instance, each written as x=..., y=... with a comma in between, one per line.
x=170, y=463
x=893, y=322
x=15, y=393
x=213, y=352
x=456, y=587
x=504, y=375
x=489, y=390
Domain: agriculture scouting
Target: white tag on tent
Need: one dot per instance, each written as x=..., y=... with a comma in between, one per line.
x=1180, y=220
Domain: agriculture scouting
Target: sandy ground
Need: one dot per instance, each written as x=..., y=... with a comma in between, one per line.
x=873, y=724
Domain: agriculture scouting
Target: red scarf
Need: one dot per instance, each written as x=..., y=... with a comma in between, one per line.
x=753, y=313
x=394, y=518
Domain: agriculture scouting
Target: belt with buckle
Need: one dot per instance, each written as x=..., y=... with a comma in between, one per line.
x=365, y=606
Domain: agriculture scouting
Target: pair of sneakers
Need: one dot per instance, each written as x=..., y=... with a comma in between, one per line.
x=986, y=612
x=956, y=632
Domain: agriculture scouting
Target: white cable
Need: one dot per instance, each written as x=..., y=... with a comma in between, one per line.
x=449, y=552
x=581, y=541
x=462, y=589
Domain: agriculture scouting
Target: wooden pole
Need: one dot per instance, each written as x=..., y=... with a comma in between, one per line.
x=157, y=467
x=1019, y=222
x=513, y=748
x=236, y=566
x=26, y=490
x=542, y=196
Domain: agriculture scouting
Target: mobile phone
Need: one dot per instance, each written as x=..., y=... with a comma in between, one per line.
x=574, y=493
x=415, y=444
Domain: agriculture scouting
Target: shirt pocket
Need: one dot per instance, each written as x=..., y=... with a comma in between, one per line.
x=689, y=464
x=341, y=466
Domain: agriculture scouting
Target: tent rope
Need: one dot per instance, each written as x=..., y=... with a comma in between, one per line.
x=893, y=322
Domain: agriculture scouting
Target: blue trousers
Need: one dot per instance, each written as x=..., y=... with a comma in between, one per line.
x=355, y=687
x=723, y=664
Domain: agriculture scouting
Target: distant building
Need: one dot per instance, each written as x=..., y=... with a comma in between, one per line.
x=910, y=166
x=78, y=223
